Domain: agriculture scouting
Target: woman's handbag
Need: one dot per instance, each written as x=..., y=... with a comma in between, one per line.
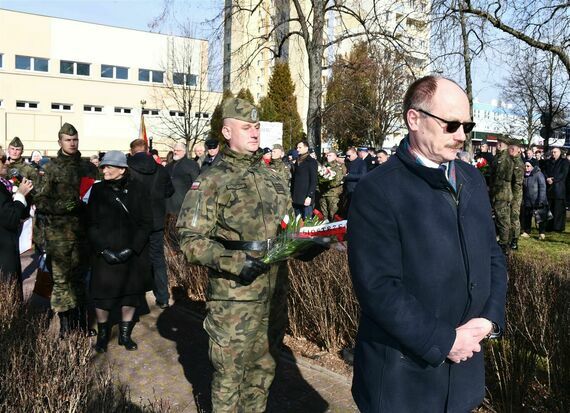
x=542, y=214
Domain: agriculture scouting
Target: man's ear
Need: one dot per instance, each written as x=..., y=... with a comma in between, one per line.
x=226, y=132
x=413, y=117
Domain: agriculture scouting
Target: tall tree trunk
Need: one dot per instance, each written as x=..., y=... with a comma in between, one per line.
x=467, y=66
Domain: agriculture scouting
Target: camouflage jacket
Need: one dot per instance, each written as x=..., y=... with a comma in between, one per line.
x=501, y=175
x=57, y=197
x=334, y=188
x=282, y=169
x=237, y=199
x=26, y=170
x=517, y=180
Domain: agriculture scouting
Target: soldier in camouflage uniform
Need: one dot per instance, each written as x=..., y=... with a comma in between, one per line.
x=15, y=150
x=225, y=221
x=57, y=199
x=278, y=164
x=331, y=196
x=501, y=191
x=517, y=191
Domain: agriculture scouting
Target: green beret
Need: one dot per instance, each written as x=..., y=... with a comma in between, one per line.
x=17, y=143
x=68, y=129
x=240, y=109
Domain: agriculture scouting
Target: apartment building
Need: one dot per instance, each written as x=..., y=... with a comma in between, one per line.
x=99, y=78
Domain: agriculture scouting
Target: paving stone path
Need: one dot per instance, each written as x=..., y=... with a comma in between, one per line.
x=172, y=364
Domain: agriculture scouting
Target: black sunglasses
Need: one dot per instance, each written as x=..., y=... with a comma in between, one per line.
x=451, y=125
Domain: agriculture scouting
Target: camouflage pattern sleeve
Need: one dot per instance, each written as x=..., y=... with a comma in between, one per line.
x=197, y=224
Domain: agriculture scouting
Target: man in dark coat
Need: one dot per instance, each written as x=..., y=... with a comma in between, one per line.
x=154, y=178
x=213, y=154
x=355, y=169
x=556, y=173
x=304, y=181
x=370, y=161
x=182, y=172
x=427, y=270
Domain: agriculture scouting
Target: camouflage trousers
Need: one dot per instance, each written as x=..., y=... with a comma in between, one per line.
x=503, y=221
x=244, y=346
x=515, y=231
x=329, y=206
x=67, y=260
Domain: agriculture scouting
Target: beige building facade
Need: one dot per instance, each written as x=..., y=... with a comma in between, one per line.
x=94, y=76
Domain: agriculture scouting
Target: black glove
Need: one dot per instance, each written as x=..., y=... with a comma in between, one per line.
x=252, y=269
x=124, y=254
x=312, y=252
x=110, y=256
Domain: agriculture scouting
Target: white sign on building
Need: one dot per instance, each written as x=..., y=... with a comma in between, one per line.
x=270, y=133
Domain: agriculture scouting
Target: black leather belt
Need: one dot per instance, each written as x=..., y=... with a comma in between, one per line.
x=246, y=245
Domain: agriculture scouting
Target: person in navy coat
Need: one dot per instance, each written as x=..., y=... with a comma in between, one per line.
x=426, y=267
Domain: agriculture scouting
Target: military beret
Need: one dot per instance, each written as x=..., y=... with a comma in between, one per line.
x=211, y=143
x=240, y=109
x=17, y=143
x=68, y=129
x=278, y=146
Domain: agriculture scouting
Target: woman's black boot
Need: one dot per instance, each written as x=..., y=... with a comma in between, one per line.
x=125, y=330
x=102, y=337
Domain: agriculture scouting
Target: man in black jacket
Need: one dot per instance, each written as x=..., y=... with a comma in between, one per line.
x=153, y=176
x=427, y=270
x=556, y=173
x=355, y=169
x=213, y=155
x=182, y=172
x=304, y=181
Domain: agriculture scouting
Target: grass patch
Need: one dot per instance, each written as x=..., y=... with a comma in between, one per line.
x=555, y=248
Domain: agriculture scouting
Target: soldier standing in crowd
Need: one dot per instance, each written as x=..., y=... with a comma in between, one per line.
x=517, y=191
x=224, y=223
x=330, y=198
x=278, y=164
x=16, y=161
x=501, y=191
x=58, y=200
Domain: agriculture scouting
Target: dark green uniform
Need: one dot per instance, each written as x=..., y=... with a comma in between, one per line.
x=238, y=199
x=502, y=194
x=282, y=170
x=26, y=170
x=517, y=191
x=63, y=228
x=331, y=196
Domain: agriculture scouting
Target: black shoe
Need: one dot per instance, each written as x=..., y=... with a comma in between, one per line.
x=125, y=330
x=514, y=244
x=91, y=332
x=102, y=337
x=162, y=305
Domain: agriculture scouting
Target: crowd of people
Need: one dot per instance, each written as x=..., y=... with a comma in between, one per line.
x=100, y=224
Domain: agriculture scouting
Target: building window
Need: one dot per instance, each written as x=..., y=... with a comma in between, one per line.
x=37, y=64
x=150, y=112
x=184, y=79
x=61, y=106
x=1, y=103
x=74, y=68
x=154, y=76
x=205, y=115
x=92, y=108
x=24, y=104
x=1, y=60
x=114, y=72
x=176, y=113
x=122, y=110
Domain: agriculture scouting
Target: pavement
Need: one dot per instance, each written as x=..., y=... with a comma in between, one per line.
x=172, y=364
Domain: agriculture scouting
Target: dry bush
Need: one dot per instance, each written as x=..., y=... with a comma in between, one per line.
x=40, y=373
x=530, y=366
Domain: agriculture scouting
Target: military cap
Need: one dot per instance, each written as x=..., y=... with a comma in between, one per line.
x=211, y=143
x=240, y=109
x=362, y=149
x=278, y=146
x=68, y=129
x=516, y=142
x=17, y=143
x=504, y=139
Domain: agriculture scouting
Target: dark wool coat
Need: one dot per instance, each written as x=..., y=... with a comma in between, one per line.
x=110, y=226
x=534, y=189
x=182, y=173
x=11, y=214
x=304, y=180
x=422, y=264
x=354, y=171
x=155, y=179
x=558, y=171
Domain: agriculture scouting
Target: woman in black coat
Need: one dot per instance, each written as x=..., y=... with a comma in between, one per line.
x=13, y=209
x=534, y=199
x=119, y=225
x=304, y=182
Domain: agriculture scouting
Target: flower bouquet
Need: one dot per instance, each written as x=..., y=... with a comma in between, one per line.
x=483, y=166
x=326, y=175
x=298, y=235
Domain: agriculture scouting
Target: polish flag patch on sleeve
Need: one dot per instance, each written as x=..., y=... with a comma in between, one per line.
x=195, y=185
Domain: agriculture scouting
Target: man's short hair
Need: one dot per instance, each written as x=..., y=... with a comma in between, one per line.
x=305, y=143
x=382, y=151
x=351, y=148
x=419, y=94
x=139, y=143
x=180, y=145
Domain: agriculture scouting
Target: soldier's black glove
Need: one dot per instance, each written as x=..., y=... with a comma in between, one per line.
x=312, y=252
x=252, y=269
x=110, y=256
x=124, y=254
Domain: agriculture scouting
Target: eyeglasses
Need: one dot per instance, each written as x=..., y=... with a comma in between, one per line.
x=451, y=126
